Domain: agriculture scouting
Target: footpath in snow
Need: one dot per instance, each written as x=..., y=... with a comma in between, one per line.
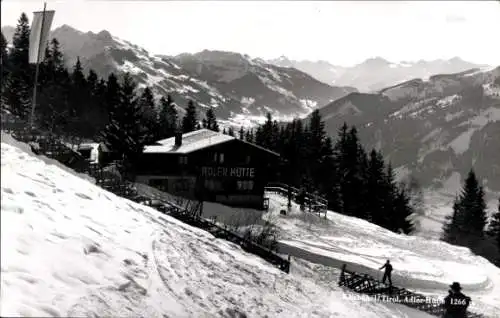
x=69, y=248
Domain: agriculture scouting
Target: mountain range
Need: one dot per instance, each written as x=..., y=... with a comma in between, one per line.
x=240, y=88
x=434, y=119
x=376, y=73
x=436, y=129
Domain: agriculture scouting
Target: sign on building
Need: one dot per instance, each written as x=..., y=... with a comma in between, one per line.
x=231, y=172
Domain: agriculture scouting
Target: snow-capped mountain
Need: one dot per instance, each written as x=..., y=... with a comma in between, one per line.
x=233, y=83
x=375, y=73
x=437, y=128
x=320, y=70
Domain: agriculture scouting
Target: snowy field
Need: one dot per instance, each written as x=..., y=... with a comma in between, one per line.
x=422, y=265
x=69, y=248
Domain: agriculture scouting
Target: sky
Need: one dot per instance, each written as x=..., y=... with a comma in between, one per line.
x=341, y=32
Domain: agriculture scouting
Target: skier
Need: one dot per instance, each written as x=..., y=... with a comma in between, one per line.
x=387, y=273
x=456, y=303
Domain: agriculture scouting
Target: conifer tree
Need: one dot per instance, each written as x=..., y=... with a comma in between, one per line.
x=210, y=121
x=18, y=88
x=241, y=133
x=224, y=131
x=125, y=134
x=230, y=131
x=249, y=136
x=190, y=120
x=112, y=94
x=54, y=110
x=4, y=69
x=466, y=225
x=147, y=105
x=403, y=212
x=79, y=102
x=375, y=193
x=168, y=117
x=97, y=102
x=392, y=220
x=3, y=49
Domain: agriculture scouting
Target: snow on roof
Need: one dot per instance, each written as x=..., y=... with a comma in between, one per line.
x=194, y=141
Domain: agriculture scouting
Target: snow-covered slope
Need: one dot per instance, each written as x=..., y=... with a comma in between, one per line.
x=69, y=248
x=423, y=265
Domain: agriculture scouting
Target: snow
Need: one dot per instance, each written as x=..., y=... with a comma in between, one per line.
x=191, y=141
x=70, y=248
x=247, y=101
x=424, y=265
x=448, y=101
x=130, y=67
x=308, y=104
x=462, y=143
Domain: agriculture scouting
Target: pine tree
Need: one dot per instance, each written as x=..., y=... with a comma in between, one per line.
x=112, y=95
x=79, y=101
x=403, y=212
x=230, y=131
x=351, y=162
x=190, y=120
x=241, y=133
x=147, y=104
x=375, y=193
x=18, y=89
x=249, y=136
x=210, y=121
x=125, y=134
x=466, y=225
x=54, y=109
x=168, y=117
x=3, y=49
x=4, y=65
x=97, y=102
x=392, y=221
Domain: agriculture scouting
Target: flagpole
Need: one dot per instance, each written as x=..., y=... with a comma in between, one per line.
x=37, y=69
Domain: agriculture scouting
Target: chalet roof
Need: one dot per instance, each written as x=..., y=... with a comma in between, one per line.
x=194, y=141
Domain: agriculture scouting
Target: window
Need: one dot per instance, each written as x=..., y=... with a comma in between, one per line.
x=247, y=159
x=218, y=157
x=183, y=160
x=245, y=185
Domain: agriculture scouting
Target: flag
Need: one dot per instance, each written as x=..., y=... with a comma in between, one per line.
x=39, y=37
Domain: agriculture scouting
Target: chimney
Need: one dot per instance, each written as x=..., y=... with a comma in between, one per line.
x=178, y=139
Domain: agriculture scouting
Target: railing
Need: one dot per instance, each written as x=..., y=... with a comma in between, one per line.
x=315, y=203
x=365, y=284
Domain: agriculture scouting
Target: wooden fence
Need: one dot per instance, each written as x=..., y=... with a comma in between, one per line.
x=365, y=284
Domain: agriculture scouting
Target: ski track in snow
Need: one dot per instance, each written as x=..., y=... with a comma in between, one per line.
x=423, y=265
x=70, y=248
